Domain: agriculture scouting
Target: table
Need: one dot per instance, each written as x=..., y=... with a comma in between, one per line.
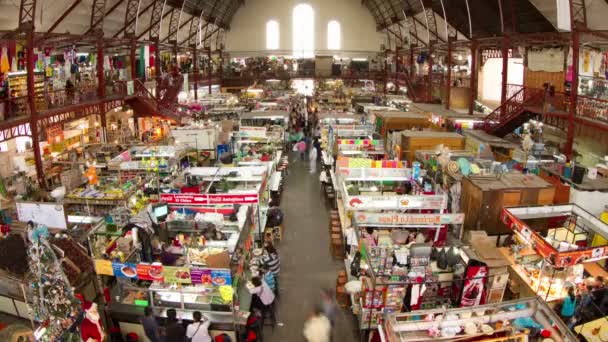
x=587, y=330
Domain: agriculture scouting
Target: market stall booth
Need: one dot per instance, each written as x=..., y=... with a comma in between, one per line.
x=483, y=198
x=411, y=141
x=203, y=267
x=265, y=118
x=512, y=321
x=488, y=146
x=555, y=248
x=387, y=122
x=340, y=131
x=221, y=186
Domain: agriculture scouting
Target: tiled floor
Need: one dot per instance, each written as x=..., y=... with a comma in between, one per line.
x=306, y=263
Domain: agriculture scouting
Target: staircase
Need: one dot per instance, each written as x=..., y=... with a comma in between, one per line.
x=514, y=112
x=411, y=90
x=164, y=104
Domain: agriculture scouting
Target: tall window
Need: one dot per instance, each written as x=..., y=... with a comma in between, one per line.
x=334, y=36
x=303, y=31
x=272, y=35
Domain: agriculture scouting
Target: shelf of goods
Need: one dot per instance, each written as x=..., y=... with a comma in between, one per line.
x=356, y=131
x=554, y=245
x=208, y=273
x=94, y=201
x=516, y=320
x=17, y=83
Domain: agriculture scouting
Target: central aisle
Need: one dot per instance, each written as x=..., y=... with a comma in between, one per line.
x=306, y=263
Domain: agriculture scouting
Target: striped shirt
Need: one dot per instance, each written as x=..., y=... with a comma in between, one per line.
x=273, y=263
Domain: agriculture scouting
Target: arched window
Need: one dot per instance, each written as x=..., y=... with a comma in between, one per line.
x=303, y=31
x=334, y=36
x=272, y=35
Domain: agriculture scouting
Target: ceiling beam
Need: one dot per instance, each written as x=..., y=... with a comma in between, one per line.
x=108, y=12
x=63, y=16
x=180, y=27
x=132, y=20
x=153, y=24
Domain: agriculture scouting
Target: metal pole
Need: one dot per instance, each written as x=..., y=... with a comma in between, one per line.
x=396, y=70
x=573, y=94
x=195, y=71
x=209, y=72
x=429, y=94
x=474, y=46
x=505, y=71
x=157, y=71
x=101, y=88
x=30, y=79
x=448, y=82
x=132, y=58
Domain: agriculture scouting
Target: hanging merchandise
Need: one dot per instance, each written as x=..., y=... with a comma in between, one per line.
x=4, y=65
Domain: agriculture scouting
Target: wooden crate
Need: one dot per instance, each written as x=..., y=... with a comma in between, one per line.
x=483, y=198
x=412, y=141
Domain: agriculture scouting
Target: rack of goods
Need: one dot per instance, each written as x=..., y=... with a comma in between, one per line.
x=512, y=321
x=17, y=82
x=109, y=192
x=555, y=247
x=366, y=148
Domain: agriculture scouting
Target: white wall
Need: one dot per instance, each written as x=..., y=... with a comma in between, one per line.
x=491, y=77
x=248, y=27
x=597, y=10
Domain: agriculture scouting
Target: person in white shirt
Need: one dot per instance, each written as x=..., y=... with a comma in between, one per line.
x=318, y=327
x=198, y=331
x=263, y=298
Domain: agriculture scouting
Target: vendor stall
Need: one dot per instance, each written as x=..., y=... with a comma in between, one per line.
x=553, y=245
x=513, y=321
x=483, y=198
x=387, y=122
x=411, y=141
x=488, y=146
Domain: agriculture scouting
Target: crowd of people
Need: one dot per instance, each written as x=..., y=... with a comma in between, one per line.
x=585, y=304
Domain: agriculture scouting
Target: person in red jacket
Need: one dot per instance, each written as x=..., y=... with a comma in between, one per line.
x=91, y=329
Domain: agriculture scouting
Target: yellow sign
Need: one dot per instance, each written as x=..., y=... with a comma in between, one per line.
x=103, y=267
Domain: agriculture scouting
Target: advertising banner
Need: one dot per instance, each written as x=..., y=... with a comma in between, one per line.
x=409, y=219
x=209, y=199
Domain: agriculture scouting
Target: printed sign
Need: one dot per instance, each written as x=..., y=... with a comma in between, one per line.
x=179, y=275
x=104, y=267
x=252, y=132
x=434, y=202
x=233, y=198
x=221, y=277
x=206, y=199
x=410, y=219
x=124, y=270
x=200, y=276
x=184, y=199
x=150, y=272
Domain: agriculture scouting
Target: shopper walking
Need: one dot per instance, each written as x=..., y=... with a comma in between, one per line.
x=328, y=303
x=151, y=328
x=198, y=331
x=312, y=160
x=568, y=306
x=301, y=147
x=263, y=299
x=317, y=328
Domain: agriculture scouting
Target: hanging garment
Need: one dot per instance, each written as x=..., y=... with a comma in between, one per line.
x=4, y=65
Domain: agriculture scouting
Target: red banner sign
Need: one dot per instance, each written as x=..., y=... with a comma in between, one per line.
x=209, y=199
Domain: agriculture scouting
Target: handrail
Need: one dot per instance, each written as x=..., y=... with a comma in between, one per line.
x=512, y=107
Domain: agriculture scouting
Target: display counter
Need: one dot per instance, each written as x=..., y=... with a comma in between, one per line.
x=506, y=321
x=553, y=243
x=594, y=331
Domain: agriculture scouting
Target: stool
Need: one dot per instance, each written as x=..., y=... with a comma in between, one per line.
x=277, y=233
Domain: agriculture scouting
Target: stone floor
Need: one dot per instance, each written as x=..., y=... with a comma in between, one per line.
x=306, y=262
